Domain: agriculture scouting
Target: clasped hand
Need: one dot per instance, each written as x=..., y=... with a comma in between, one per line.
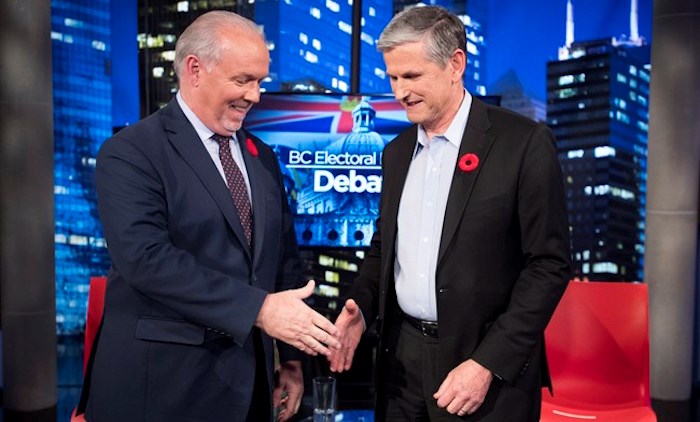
x=286, y=317
x=350, y=325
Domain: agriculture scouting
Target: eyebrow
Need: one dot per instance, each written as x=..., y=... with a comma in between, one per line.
x=406, y=74
x=249, y=76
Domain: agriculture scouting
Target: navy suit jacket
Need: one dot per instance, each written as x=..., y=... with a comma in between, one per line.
x=184, y=289
x=503, y=261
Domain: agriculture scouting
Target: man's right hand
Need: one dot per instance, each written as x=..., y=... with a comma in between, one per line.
x=286, y=317
x=350, y=325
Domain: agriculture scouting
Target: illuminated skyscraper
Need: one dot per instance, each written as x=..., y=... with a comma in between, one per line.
x=80, y=33
x=309, y=44
x=597, y=105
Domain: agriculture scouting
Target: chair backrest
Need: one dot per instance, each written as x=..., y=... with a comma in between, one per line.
x=598, y=344
x=95, y=307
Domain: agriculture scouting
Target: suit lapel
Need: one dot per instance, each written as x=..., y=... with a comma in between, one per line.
x=186, y=141
x=476, y=141
x=256, y=178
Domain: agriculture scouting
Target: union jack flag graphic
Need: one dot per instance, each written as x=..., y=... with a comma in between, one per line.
x=327, y=114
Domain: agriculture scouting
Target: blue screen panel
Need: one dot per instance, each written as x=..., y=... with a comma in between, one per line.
x=330, y=148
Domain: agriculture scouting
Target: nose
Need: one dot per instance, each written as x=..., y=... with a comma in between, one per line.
x=400, y=91
x=252, y=93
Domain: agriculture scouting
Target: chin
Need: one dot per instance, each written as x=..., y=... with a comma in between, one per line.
x=415, y=119
x=232, y=126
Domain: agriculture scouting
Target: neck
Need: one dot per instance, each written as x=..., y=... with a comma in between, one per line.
x=187, y=98
x=445, y=120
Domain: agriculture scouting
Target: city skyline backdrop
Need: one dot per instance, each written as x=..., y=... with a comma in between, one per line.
x=543, y=23
x=525, y=35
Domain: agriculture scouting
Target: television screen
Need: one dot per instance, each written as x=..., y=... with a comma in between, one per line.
x=330, y=149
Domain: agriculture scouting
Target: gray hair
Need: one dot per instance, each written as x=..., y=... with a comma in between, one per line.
x=201, y=38
x=442, y=30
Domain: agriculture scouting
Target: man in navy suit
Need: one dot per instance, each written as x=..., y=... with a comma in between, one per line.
x=205, y=272
x=471, y=252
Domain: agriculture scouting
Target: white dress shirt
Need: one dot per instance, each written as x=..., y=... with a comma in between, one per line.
x=422, y=213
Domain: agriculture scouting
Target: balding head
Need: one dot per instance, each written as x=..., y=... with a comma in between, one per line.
x=202, y=38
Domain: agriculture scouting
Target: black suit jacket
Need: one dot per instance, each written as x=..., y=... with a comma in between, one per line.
x=504, y=256
x=184, y=289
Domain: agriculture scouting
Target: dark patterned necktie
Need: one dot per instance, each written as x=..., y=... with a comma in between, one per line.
x=237, y=186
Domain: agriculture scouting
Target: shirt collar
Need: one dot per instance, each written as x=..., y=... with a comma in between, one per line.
x=202, y=130
x=455, y=131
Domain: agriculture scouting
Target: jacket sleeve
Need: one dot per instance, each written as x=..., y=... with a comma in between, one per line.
x=508, y=345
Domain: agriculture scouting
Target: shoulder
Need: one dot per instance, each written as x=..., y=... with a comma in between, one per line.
x=145, y=130
x=507, y=125
x=503, y=119
x=141, y=142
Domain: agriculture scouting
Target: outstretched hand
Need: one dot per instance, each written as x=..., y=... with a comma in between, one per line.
x=350, y=326
x=286, y=317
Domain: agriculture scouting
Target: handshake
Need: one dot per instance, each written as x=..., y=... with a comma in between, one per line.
x=286, y=317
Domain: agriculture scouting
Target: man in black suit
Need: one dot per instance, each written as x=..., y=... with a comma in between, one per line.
x=205, y=272
x=471, y=252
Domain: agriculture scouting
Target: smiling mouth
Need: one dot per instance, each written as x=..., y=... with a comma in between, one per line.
x=412, y=103
x=240, y=109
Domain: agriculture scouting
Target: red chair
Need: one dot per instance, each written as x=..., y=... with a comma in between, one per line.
x=598, y=351
x=96, y=301
x=95, y=307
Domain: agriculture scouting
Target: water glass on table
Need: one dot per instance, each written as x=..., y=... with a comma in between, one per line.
x=324, y=399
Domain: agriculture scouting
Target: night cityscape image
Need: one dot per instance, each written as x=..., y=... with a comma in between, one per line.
x=582, y=68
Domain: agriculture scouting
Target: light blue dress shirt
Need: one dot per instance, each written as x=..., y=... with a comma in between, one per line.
x=422, y=213
x=213, y=147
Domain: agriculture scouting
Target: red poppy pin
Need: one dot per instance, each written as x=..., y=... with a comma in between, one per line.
x=252, y=149
x=468, y=162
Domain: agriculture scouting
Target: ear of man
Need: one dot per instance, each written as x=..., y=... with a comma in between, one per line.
x=458, y=64
x=193, y=67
